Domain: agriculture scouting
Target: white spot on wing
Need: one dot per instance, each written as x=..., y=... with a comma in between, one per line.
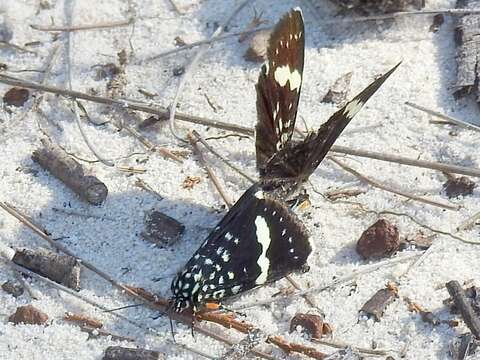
x=283, y=75
x=352, y=108
x=226, y=256
x=230, y=275
x=228, y=236
x=259, y=194
x=236, y=289
x=263, y=237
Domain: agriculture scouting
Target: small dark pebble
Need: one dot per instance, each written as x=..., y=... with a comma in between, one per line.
x=459, y=186
x=16, y=96
x=180, y=70
x=161, y=229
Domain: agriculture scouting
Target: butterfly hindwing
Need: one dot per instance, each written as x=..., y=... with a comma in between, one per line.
x=278, y=87
x=257, y=242
x=301, y=159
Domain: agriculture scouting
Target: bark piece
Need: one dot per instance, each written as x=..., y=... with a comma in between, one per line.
x=16, y=97
x=257, y=51
x=376, y=305
x=71, y=173
x=83, y=320
x=161, y=229
x=121, y=353
x=62, y=269
x=379, y=240
x=463, y=346
x=28, y=315
x=428, y=316
x=311, y=324
x=458, y=186
x=338, y=93
x=334, y=195
x=463, y=305
x=467, y=30
x=13, y=288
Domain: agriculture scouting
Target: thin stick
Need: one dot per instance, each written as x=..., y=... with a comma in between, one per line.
x=470, y=222
x=225, y=161
x=99, y=26
x=454, y=169
x=339, y=345
x=162, y=112
x=205, y=42
x=211, y=174
x=390, y=189
x=175, y=7
x=356, y=273
x=450, y=119
x=191, y=68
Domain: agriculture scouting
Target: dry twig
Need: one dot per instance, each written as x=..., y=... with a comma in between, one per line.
x=99, y=26
x=390, y=189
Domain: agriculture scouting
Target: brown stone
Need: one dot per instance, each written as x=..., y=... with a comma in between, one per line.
x=161, y=229
x=311, y=324
x=28, y=315
x=16, y=96
x=379, y=240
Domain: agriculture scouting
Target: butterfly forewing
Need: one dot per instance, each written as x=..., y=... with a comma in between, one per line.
x=278, y=87
x=257, y=242
x=301, y=160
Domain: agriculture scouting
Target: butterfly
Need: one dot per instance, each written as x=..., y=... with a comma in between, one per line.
x=260, y=239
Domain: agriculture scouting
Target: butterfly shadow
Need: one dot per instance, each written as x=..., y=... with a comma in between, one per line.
x=109, y=237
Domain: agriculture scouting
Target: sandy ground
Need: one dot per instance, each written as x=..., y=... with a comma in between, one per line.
x=109, y=235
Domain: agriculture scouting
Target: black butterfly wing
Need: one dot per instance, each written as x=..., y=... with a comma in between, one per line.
x=260, y=240
x=278, y=87
x=300, y=160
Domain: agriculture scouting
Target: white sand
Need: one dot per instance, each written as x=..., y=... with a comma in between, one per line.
x=110, y=238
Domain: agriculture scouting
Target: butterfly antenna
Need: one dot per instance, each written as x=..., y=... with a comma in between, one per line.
x=169, y=311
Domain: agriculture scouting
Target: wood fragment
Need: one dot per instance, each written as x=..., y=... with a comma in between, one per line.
x=463, y=305
x=467, y=29
x=376, y=305
x=438, y=21
x=28, y=315
x=62, y=269
x=82, y=320
x=297, y=348
x=122, y=353
x=463, y=346
x=343, y=194
x=427, y=316
x=71, y=173
x=378, y=6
